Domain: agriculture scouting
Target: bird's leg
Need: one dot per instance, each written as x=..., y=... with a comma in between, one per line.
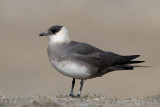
x=81, y=85
x=73, y=83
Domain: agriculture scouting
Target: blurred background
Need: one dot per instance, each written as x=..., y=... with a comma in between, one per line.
x=123, y=26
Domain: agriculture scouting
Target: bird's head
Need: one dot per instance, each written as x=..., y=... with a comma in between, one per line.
x=57, y=34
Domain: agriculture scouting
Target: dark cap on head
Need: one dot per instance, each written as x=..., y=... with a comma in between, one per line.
x=51, y=30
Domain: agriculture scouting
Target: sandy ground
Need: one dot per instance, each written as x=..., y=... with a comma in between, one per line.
x=84, y=101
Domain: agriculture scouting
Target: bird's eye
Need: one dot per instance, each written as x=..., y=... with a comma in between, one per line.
x=53, y=31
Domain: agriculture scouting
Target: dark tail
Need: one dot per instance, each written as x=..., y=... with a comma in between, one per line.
x=129, y=59
x=134, y=62
x=125, y=64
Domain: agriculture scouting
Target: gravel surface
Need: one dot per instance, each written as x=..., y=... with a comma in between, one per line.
x=84, y=101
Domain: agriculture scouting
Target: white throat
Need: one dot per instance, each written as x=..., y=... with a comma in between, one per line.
x=60, y=37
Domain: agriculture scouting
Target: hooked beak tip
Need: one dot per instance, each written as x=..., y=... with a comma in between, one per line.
x=42, y=34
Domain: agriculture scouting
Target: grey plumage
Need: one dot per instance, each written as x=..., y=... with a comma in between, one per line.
x=104, y=61
x=81, y=60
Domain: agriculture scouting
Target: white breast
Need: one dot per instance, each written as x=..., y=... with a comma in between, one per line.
x=71, y=69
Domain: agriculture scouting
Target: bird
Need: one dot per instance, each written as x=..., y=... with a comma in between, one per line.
x=81, y=60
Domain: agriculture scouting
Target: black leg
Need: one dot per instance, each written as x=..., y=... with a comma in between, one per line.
x=73, y=83
x=81, y=85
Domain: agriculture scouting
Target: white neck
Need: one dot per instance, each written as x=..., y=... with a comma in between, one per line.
x=60, y=37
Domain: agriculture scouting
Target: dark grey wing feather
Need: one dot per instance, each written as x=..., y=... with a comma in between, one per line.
x=94, y=56
x=101, y=59
x=83, y=48
x=105, y=61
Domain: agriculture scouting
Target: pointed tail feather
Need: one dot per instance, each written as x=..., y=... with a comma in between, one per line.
x=126, y=67
x=130, y=57
x=134, y=62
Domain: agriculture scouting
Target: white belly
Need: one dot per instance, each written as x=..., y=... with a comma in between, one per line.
x=71, y=69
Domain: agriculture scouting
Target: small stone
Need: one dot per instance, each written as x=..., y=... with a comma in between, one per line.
x=96, y=99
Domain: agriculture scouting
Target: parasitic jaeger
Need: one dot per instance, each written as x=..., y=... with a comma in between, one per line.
x=81, y=60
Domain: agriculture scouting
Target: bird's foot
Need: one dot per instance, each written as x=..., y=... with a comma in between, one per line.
x=78, y=95
x=71, y=95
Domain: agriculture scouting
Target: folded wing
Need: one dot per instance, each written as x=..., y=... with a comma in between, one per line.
x=103, y=60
